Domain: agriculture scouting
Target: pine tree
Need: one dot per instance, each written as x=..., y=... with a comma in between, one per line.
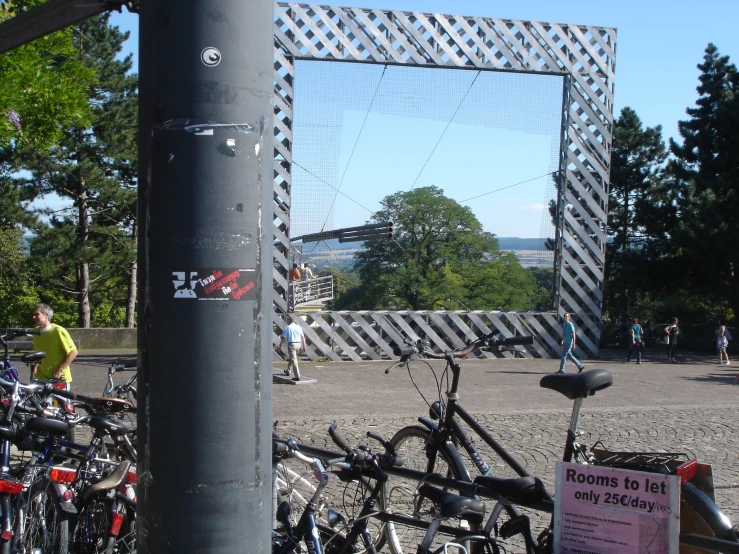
x=637, y=160
x=88, y=249
x=706, y=176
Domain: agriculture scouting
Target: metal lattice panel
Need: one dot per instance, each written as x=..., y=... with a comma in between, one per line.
x=354, y=336
x=584, y=55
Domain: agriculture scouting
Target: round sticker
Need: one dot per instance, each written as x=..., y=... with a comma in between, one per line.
x=210, y=56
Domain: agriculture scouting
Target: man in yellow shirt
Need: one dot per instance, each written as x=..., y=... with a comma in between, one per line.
x=58, y=345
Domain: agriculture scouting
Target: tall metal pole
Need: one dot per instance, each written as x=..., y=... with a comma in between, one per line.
x=205, y=259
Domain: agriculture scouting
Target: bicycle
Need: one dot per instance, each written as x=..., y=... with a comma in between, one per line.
x=441, y=436
x=8, y=371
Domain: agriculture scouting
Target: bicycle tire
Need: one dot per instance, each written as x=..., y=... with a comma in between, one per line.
x=47, y=526
x=700, y=515
x=399, y=495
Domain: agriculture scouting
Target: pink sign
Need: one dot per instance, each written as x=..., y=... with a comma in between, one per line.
x=601, y=510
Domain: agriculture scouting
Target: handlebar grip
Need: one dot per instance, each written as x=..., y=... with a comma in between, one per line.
x=338, y=440
x=402, y=351
x=522, y=339
x=387, y=460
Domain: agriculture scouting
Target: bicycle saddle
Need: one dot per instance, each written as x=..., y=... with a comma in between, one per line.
x=578, y=385
x=107, y=425
x=46, y=425
x=112, y=405
x=516, y=490
x=33, y=356
x=110, y=482
x=453, y=505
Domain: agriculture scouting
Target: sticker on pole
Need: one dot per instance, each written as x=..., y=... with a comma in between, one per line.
x=215, y=284
x=604, y=510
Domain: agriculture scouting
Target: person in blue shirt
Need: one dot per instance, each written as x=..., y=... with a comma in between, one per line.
x=569, y=342
x=295, y=345
x=635, y=332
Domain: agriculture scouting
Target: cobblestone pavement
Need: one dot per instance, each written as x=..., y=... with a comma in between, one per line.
x=686, y=407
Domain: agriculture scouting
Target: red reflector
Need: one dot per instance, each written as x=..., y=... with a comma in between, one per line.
x=10, y=487
x=69, y=408
x=687, y=471
x=6, y=535
x=131, y=477
x=60, y=386
x=115, y=525
x=68, y=495
x=5, y=400
x=63, y=475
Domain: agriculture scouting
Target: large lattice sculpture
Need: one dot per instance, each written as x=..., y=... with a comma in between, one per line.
x=583, y=55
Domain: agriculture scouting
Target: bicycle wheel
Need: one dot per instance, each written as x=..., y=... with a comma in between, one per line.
x=47, y=527
x=700, y=515
x=91, y=534
x=399, y=496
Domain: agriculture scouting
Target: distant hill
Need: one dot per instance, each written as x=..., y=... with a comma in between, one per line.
x=516, y=243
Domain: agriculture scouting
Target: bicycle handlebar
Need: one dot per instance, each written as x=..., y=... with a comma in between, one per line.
x=492, y=339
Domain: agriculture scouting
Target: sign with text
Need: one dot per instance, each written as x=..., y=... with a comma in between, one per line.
x=215, y=284
x=602, y=510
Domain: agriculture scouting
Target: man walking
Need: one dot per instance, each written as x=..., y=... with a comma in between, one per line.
x=295, y=345
x=569, y=343
x=58, y=345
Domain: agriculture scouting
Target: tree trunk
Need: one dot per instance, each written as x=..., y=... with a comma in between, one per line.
x=83, y=268
x=131, y=302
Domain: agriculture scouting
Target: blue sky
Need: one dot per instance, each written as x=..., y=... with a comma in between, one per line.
x=659, y=45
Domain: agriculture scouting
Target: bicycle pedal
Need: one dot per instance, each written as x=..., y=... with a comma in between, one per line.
x=515, y=526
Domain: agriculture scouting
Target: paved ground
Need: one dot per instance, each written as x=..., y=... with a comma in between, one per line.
x=654, y=406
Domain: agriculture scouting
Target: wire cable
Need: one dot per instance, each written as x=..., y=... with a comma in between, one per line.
x=445, y=130
x=349, y=161
x=508, y=187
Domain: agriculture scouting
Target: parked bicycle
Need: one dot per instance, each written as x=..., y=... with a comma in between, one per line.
x=437, y=443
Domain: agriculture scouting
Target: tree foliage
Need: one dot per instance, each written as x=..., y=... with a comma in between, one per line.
x=43, y=86
x=85, y=254
x=440, y=259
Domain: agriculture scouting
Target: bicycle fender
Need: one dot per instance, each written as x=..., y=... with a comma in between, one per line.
x=708, y=510
x=426, y=422
x=66, y=506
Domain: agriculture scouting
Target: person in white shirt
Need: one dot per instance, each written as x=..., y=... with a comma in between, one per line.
x=307, y=273
x=295, y=345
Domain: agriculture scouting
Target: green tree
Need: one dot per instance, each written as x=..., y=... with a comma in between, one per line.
x=704, y=258
x=43, y=86
x=637, y=182
x=88, y=251
x=440, y=259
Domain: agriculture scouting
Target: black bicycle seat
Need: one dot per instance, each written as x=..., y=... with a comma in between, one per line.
x=33, y=357
x=106, y=425
x=516, y=490
x=453, y=505
x=578, y=385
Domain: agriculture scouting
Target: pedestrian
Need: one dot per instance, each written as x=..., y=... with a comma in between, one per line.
x=295, y=345
x=569, y=343
x=294, y=274
x=671, y=332
x=58, y=345
x=635, y=331
x=307, y=272
x=722, y=342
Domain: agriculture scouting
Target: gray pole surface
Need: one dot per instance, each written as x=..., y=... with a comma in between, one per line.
x=205, y=287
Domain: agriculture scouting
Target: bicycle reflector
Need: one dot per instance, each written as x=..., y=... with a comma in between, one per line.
x=62, y=385
x=115, y=524
x=10, y=487
x=687, y=471
x=6, y=535
x=131, y=477
x=63, y=475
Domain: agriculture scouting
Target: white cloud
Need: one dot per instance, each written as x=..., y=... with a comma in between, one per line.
x=533, y=208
